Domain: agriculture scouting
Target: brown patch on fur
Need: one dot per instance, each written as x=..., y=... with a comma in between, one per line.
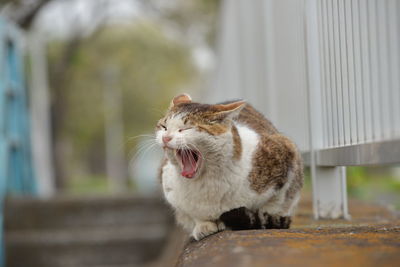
x=203, y=117
x=237, y=143
x=193, y=108
x=204, y=112
x=256, y=121
x=229, y=106
x=272, y=161
x=213, y=129
x=296, y=184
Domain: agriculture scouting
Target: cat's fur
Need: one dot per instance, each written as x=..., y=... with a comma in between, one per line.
x=247, y=168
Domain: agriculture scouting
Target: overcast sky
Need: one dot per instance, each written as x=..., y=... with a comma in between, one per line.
x=59, y=18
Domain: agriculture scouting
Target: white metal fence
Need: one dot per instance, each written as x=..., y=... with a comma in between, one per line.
x=327, y=73
x=359, y=67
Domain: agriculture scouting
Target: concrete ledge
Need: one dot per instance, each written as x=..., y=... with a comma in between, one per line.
x=371, y=238
x=353, y=246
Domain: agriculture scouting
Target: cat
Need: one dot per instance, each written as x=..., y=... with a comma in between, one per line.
x=226, y=165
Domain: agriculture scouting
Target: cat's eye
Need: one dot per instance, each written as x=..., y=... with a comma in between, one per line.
x=163, y=126
x=184, y=129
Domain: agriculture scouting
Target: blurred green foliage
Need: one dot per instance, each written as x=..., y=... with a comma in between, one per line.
x=87, y=185
x=377, y=184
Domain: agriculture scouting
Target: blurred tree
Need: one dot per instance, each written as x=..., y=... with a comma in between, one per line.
x=23, y=12
x=60, y=72
x=153, y=67
x=196, y=21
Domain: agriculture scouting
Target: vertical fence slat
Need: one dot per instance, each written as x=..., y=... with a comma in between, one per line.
x=352, y=103
x=332, y=87
x=338, y=72
x=383, y=66
x=397, y=70
x=393, y=17
x=344, y=73
x=358, y=71
x=327, y=73
x=365, y=59
x=374, y=66
x=322, y=75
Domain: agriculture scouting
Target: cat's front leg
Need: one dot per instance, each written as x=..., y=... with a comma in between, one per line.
x=203, y=229
x=184, y=220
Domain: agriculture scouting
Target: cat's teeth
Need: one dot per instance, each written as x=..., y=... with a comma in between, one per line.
x=189, y=162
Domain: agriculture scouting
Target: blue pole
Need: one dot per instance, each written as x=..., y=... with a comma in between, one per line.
x=16, y=174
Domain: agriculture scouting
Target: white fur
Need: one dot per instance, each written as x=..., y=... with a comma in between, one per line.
x=222, y=187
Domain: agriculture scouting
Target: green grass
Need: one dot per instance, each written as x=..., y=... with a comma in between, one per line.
x=90, y=185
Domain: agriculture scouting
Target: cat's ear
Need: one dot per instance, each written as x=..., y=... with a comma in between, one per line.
x=228, y=111
x=182, y=98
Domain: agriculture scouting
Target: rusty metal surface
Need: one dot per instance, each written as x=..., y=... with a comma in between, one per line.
x=371, y=238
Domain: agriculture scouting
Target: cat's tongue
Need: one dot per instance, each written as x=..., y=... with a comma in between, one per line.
x=189, y=166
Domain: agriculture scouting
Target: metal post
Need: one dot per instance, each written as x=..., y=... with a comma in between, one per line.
x=329, y=183
x=330, y=192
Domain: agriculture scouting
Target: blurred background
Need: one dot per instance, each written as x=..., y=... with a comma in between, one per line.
x=96, y=77
x=100, y=74
x=109, y=70
x=82, y=85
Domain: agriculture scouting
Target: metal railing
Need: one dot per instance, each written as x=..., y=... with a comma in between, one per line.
x=327, y=73
x=359, y=69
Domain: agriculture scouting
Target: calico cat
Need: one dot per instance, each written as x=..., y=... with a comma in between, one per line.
x=226, y=165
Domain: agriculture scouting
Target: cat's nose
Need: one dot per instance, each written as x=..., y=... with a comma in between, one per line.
x=166, y=139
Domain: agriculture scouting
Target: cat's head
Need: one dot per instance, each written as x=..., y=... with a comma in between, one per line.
x=191, y=131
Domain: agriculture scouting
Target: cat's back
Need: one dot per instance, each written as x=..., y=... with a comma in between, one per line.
x=275, y=154
x=253, y=119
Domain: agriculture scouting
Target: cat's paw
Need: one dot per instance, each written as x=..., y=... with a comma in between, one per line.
x=204, y=229
x=221, y=225
x=271, y=221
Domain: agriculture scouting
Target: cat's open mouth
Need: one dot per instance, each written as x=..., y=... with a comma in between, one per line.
x=190, y=161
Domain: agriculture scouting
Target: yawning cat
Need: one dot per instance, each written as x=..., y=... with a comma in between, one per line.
x=226, y=157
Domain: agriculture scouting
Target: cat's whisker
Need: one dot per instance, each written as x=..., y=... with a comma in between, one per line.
x=143, y=147
x=141, y=138
x=142, y=154
x=144, y=143
x=141, y=135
